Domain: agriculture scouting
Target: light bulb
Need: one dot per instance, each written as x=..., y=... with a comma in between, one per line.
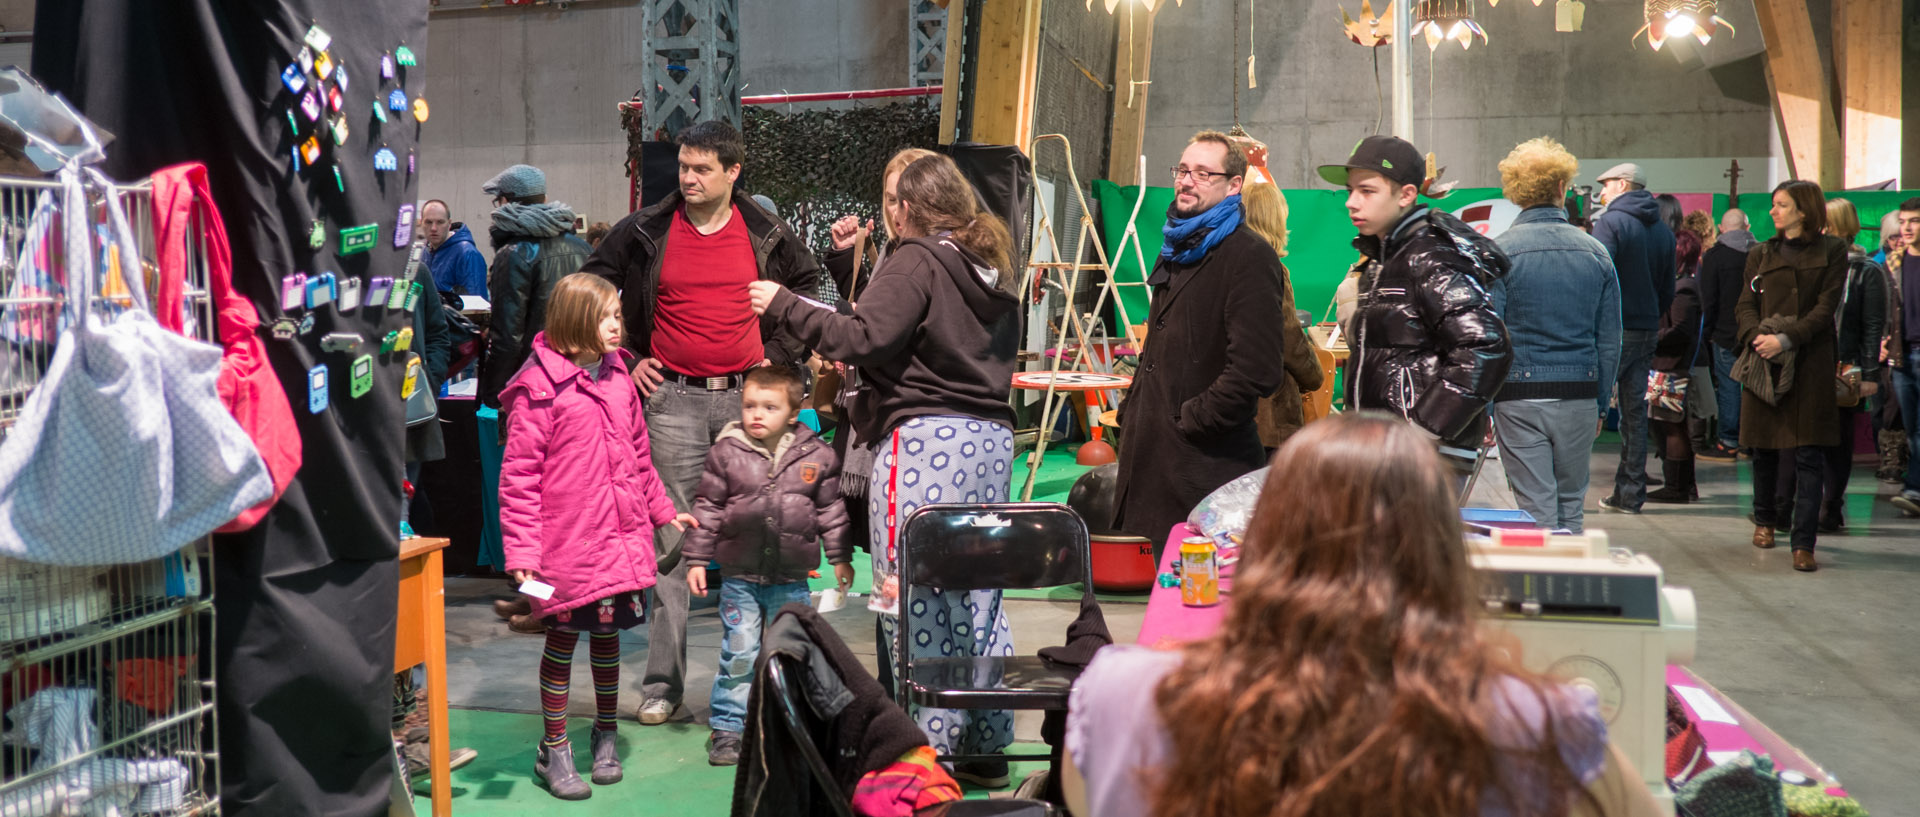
x=1680, y=25
x=1433, y=36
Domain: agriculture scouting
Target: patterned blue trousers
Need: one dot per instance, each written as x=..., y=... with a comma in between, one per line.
x=956, y=460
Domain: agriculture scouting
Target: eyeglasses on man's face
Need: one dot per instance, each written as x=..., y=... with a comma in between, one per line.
x=1199, y=176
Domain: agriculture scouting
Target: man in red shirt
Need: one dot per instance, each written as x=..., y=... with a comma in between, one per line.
x=682, y=267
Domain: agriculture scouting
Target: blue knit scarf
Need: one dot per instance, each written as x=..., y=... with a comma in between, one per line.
x=1190, y=239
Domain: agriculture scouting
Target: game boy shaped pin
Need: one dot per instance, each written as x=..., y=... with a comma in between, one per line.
x=317, y=389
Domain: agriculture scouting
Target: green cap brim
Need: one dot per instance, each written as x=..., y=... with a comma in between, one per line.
x=1335, y=175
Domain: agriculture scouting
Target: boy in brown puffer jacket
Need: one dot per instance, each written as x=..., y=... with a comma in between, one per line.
x=769, y=498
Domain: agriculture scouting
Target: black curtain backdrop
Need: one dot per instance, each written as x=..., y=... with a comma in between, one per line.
x=305, y=601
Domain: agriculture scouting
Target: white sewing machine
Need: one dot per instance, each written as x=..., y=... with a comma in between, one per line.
x=1596, y=617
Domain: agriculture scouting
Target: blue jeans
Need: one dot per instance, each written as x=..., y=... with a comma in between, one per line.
x=1906, y=389
x=1636, y=358
x=1727, y=394
x=746, y=609
x=1547, y=448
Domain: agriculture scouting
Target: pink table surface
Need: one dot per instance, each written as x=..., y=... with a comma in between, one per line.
x=1168, y=622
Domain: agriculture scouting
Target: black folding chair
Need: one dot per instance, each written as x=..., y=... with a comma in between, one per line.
x=1027, y=545
x=793, y=710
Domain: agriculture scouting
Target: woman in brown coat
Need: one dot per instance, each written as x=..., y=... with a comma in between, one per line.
x=1785, y=313
x=1283, y=412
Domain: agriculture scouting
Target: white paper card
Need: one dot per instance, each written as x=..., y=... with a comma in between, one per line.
x=1704, y=706
x=1721, y=757
x=537, y=589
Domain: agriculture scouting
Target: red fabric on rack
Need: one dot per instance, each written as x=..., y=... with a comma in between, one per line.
x=248, y=385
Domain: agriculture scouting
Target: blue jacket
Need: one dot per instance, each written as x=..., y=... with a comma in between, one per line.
x=1561, y=302
x=457, y=265
x=1642, y=250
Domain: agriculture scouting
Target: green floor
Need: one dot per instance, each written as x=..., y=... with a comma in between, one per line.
x=666, y=766
x=666, y=770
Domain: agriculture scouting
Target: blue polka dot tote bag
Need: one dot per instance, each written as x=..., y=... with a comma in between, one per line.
x=124, y=452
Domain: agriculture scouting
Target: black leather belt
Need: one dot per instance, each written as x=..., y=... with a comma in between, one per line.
x=724, y=382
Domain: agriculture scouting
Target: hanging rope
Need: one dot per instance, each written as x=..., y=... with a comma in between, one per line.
x=1251, y=82
x=1233, y=59
x=1379, y=94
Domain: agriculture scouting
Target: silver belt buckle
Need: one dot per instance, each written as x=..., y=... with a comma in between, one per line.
x=719, y=383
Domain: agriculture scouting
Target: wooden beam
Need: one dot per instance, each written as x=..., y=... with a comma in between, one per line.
x=951, y=77
x=1802, y=92
x=1133, y=59
x=1867, y=60
x=1005, y=67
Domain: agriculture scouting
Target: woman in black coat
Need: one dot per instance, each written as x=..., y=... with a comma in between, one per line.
x=1676, y=350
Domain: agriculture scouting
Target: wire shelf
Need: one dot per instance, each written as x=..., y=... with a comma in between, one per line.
x=106, y=673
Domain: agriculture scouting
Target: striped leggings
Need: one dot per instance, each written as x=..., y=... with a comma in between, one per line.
x=556, y=670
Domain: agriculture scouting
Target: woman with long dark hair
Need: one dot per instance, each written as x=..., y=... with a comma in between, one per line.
x=934, y=336
x=1351, y=675
x=1786, y=316
x=1676, y=351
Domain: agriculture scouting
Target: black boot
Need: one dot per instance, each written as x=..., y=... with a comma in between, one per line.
x=1679, y=489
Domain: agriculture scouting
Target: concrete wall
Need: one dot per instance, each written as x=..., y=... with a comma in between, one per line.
x=1594, y=90
x=540, y=86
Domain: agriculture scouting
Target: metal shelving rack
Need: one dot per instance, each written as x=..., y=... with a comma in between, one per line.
x=106, y=673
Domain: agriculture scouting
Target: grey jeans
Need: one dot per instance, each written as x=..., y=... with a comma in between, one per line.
x=682, y=423
x=1547, y=447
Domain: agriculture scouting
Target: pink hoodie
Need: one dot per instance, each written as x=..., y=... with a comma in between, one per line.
x=579, y=498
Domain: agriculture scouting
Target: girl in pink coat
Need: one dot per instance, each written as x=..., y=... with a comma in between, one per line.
x=579, y=500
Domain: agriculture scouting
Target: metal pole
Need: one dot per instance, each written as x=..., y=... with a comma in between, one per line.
x=1402, y=46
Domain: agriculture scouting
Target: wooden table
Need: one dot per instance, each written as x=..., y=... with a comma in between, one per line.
x=420, y=637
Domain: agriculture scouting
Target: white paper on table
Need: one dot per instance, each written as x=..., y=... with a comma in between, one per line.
x=1704, y=706
x=469, y=387
x=1722, y=757
x=473, y=303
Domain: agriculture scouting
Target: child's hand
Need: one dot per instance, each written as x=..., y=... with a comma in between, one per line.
x=684, y=521
x=843, y=576
x=697, y=580
x=520, y=577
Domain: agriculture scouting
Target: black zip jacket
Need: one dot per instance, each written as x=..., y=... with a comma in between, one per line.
x=629, y=258
x=525, y=269
x=1427, y=344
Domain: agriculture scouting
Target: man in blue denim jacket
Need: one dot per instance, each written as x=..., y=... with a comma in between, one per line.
x=1561, y=303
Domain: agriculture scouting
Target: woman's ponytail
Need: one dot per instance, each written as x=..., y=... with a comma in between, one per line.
x=941, y=200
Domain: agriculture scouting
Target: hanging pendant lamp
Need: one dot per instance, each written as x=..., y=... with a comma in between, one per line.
x=1442, y=20
x=1680, y=18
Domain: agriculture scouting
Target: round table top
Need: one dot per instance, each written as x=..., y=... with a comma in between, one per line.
x=1070, y=381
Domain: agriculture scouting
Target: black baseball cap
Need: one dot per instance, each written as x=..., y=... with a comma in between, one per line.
x=1389, y=156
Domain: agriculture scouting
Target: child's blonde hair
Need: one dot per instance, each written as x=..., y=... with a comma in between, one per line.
x=574, y=312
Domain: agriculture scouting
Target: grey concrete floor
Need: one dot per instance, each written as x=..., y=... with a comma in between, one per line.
x=1821, y=658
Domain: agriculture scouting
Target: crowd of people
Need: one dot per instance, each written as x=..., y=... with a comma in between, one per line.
x=649, y=385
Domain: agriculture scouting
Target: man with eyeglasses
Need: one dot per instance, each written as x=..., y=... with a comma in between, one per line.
x=1215, y=346
x=1427, y=344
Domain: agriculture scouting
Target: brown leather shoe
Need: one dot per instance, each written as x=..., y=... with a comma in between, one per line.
x=1803, y=561
x=1762, y=536
x=508, y=608
x=526, y=624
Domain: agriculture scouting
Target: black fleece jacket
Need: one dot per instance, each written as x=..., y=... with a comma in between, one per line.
x=931, y=336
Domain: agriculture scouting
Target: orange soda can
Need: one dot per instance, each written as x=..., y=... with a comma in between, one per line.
x=1199, y=572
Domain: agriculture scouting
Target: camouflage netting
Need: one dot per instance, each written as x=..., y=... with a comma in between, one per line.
x=819, y=165
x=824, y=163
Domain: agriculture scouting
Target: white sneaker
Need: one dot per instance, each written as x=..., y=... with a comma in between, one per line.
x=656, y=711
